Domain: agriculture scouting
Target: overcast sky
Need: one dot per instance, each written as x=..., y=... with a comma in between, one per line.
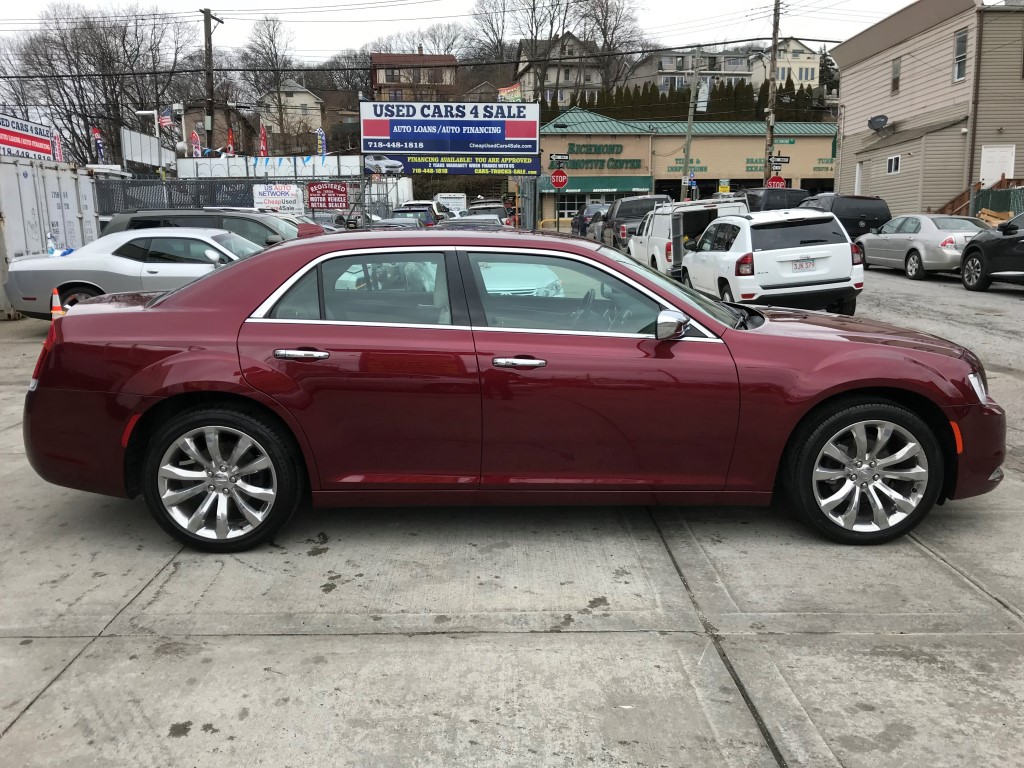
x=322, y=27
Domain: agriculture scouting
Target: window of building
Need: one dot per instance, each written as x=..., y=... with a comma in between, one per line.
x=588, y=76
x=304, y=108
x=680, y=63
x=396, y=94
x=960, y=55
x=569, y=50
x=569, y=204
x=896, y=65
x=565, y=73
x=390, y=75
x=892, y=164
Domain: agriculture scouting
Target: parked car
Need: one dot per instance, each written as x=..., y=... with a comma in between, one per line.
x=353, y=219
x=403, y=222
x=260, y=228
x=474, y=220
x=596, y=226
x=491, y=209
x=307, y=227
x=659, y=239
x=159, y=259
x=423, y=213
x=790, y=258
x=774, y=199
x=859, y=214
x=382, y=164
x=624, y=217
x=920, y=243
x=994, y=255
x=304, y=385
x=582, y=218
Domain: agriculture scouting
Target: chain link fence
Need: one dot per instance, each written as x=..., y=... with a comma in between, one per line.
x=1000, y=200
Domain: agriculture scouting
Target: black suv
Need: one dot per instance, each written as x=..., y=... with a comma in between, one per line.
x=858, y=214
x=774, y=199
x=259, y=228
x=622, y=219
x=994, y=254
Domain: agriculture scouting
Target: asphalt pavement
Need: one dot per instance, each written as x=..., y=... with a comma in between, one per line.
x=520, y=636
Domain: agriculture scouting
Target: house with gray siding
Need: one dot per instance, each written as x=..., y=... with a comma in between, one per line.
x=947, y=76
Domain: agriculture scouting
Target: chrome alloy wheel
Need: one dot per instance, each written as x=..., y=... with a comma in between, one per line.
x=972, y=271
x=217, y=483
x=870, y=476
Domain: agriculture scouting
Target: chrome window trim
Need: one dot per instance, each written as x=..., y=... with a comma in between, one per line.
x=259, y=315
x=664, y=303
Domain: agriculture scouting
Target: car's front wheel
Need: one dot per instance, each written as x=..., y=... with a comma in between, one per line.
x=221, y=480
x=864, y=473
x=972, y=273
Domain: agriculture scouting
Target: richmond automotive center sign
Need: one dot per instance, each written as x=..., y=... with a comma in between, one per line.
x=465, y=128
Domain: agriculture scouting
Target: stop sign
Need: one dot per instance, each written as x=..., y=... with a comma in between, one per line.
x=559, y=178
x=776, y=182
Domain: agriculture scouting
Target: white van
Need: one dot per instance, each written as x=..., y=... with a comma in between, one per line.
x=660, y=237
x=453, y=201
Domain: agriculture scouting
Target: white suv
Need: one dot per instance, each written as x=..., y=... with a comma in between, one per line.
x=791, y=258
x=661, y=234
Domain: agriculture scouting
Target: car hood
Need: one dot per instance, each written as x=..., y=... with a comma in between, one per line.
x=824, y=325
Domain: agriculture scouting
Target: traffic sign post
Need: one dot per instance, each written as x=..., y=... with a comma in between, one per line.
x=559, y=179
x=776, y=182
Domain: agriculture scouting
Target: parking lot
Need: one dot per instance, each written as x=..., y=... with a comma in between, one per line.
x=521, y=636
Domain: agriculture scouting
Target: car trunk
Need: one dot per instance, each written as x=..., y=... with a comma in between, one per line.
x=799, y=252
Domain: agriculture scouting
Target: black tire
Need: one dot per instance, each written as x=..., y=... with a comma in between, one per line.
x=654, y=264
x=847, y=307
x=75, y=293
x=284, y=471
x=684, y=278
x=805, y=451
x=914, y=267
x=972, y=272
x=725, y=292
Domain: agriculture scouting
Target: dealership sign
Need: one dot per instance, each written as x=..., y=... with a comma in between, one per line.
x=462, y=165
x=283, y=198
x=449, y=127
x=20, y=138
x=327, y=195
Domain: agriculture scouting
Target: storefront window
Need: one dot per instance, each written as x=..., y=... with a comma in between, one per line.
x=569, y=204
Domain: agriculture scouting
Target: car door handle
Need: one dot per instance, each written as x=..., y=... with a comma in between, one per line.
x=301, y=354
x=518, y=362
x=153, y=271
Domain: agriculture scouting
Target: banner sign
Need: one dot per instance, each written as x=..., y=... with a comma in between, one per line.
x=462, y=165
x=58, y=148
x=263, y=140
x=512, y=93
x=196, y=148
x=20, y=138
x=465, y=128
x=231, y=141
x=285, y=198
x=321, y=142
x=327, y=195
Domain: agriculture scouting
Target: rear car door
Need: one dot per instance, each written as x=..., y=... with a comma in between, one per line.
x=373, y=355
x=174, y=261
x=904, y=238
x=577, y=393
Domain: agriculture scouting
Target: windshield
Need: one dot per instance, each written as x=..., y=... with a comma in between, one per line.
x=237, y=244
x=288, y=230
x=708, y=306
x=959, y=224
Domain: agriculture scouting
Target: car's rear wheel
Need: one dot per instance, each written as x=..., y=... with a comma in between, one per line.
x=847, y=307
x=221, y=480
x=972, y=273
x=725, y=292
x=864, y=473
x=654, y=263
x=76, y=293
x=914, y=267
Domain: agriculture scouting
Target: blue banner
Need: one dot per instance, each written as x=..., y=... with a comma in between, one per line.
x=452, y=165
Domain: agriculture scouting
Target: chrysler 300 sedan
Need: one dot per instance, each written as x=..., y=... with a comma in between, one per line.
x=397, y=368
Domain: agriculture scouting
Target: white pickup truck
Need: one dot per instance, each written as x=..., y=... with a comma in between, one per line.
x=659, y=238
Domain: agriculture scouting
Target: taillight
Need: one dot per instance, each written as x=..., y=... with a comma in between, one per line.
x=949, y=242
x=668, y=251
x=745, y=265
x=622, y=231
x=44, y=353
x=856, y=254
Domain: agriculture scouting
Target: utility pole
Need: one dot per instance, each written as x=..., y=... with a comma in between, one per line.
x=208, y=19
x=694, y=89
x=769, y=131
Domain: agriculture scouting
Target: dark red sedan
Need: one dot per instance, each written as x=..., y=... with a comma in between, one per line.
x=461, y=367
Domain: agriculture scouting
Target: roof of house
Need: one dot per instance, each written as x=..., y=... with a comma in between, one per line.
x=543, y=48
x=400, y=59
x=291, y=85
x=899, y=137
x=576, y=121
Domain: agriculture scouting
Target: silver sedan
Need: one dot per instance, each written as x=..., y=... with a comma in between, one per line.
x=158, y=259
x=920, y=243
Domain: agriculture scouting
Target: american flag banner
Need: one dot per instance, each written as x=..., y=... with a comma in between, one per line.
x=58, y=147
x=166, y=117
x=263, y=140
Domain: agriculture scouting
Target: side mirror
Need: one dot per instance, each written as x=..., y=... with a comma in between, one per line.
x=873, y=230
x=671, y=325
x=271, y=239
x=213, y=255
x=690, y=245
x=1007, y=228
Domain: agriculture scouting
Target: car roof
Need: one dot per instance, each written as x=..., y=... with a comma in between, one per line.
x=194, y=212
x=786, y=214
x=131, y=234
x=454, y=235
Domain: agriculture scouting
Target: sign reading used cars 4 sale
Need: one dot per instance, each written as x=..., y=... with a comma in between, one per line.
x=20, y=138
x=451, y=127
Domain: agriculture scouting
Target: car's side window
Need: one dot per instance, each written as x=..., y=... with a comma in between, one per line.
x=891, y=226
x=178, y=250
x=148, y=223
x=910, y=226
x=406, y=288
x=250, y=230
x=550, y=293
x=302, y=300
x=136, y=250
x=707, y=240
x=725, y=237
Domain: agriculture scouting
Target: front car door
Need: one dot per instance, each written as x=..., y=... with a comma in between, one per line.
x=703, y=278
x=1006, y=253
x=578, y=395
x=377, y=364
x=174, y=261
x=883, y=246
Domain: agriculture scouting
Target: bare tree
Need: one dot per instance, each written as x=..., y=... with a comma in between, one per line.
x=611, y=27
x=267, y=60
x=444, y=38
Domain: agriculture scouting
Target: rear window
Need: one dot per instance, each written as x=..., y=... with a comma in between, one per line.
x=635, y=209
x=958, y=224
x=795, y=234
x=496, y=210
x=866, y=207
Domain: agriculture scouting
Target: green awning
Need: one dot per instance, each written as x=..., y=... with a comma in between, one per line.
x=587, y=184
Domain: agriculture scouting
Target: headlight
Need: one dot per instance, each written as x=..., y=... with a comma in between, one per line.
x=978, y=385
